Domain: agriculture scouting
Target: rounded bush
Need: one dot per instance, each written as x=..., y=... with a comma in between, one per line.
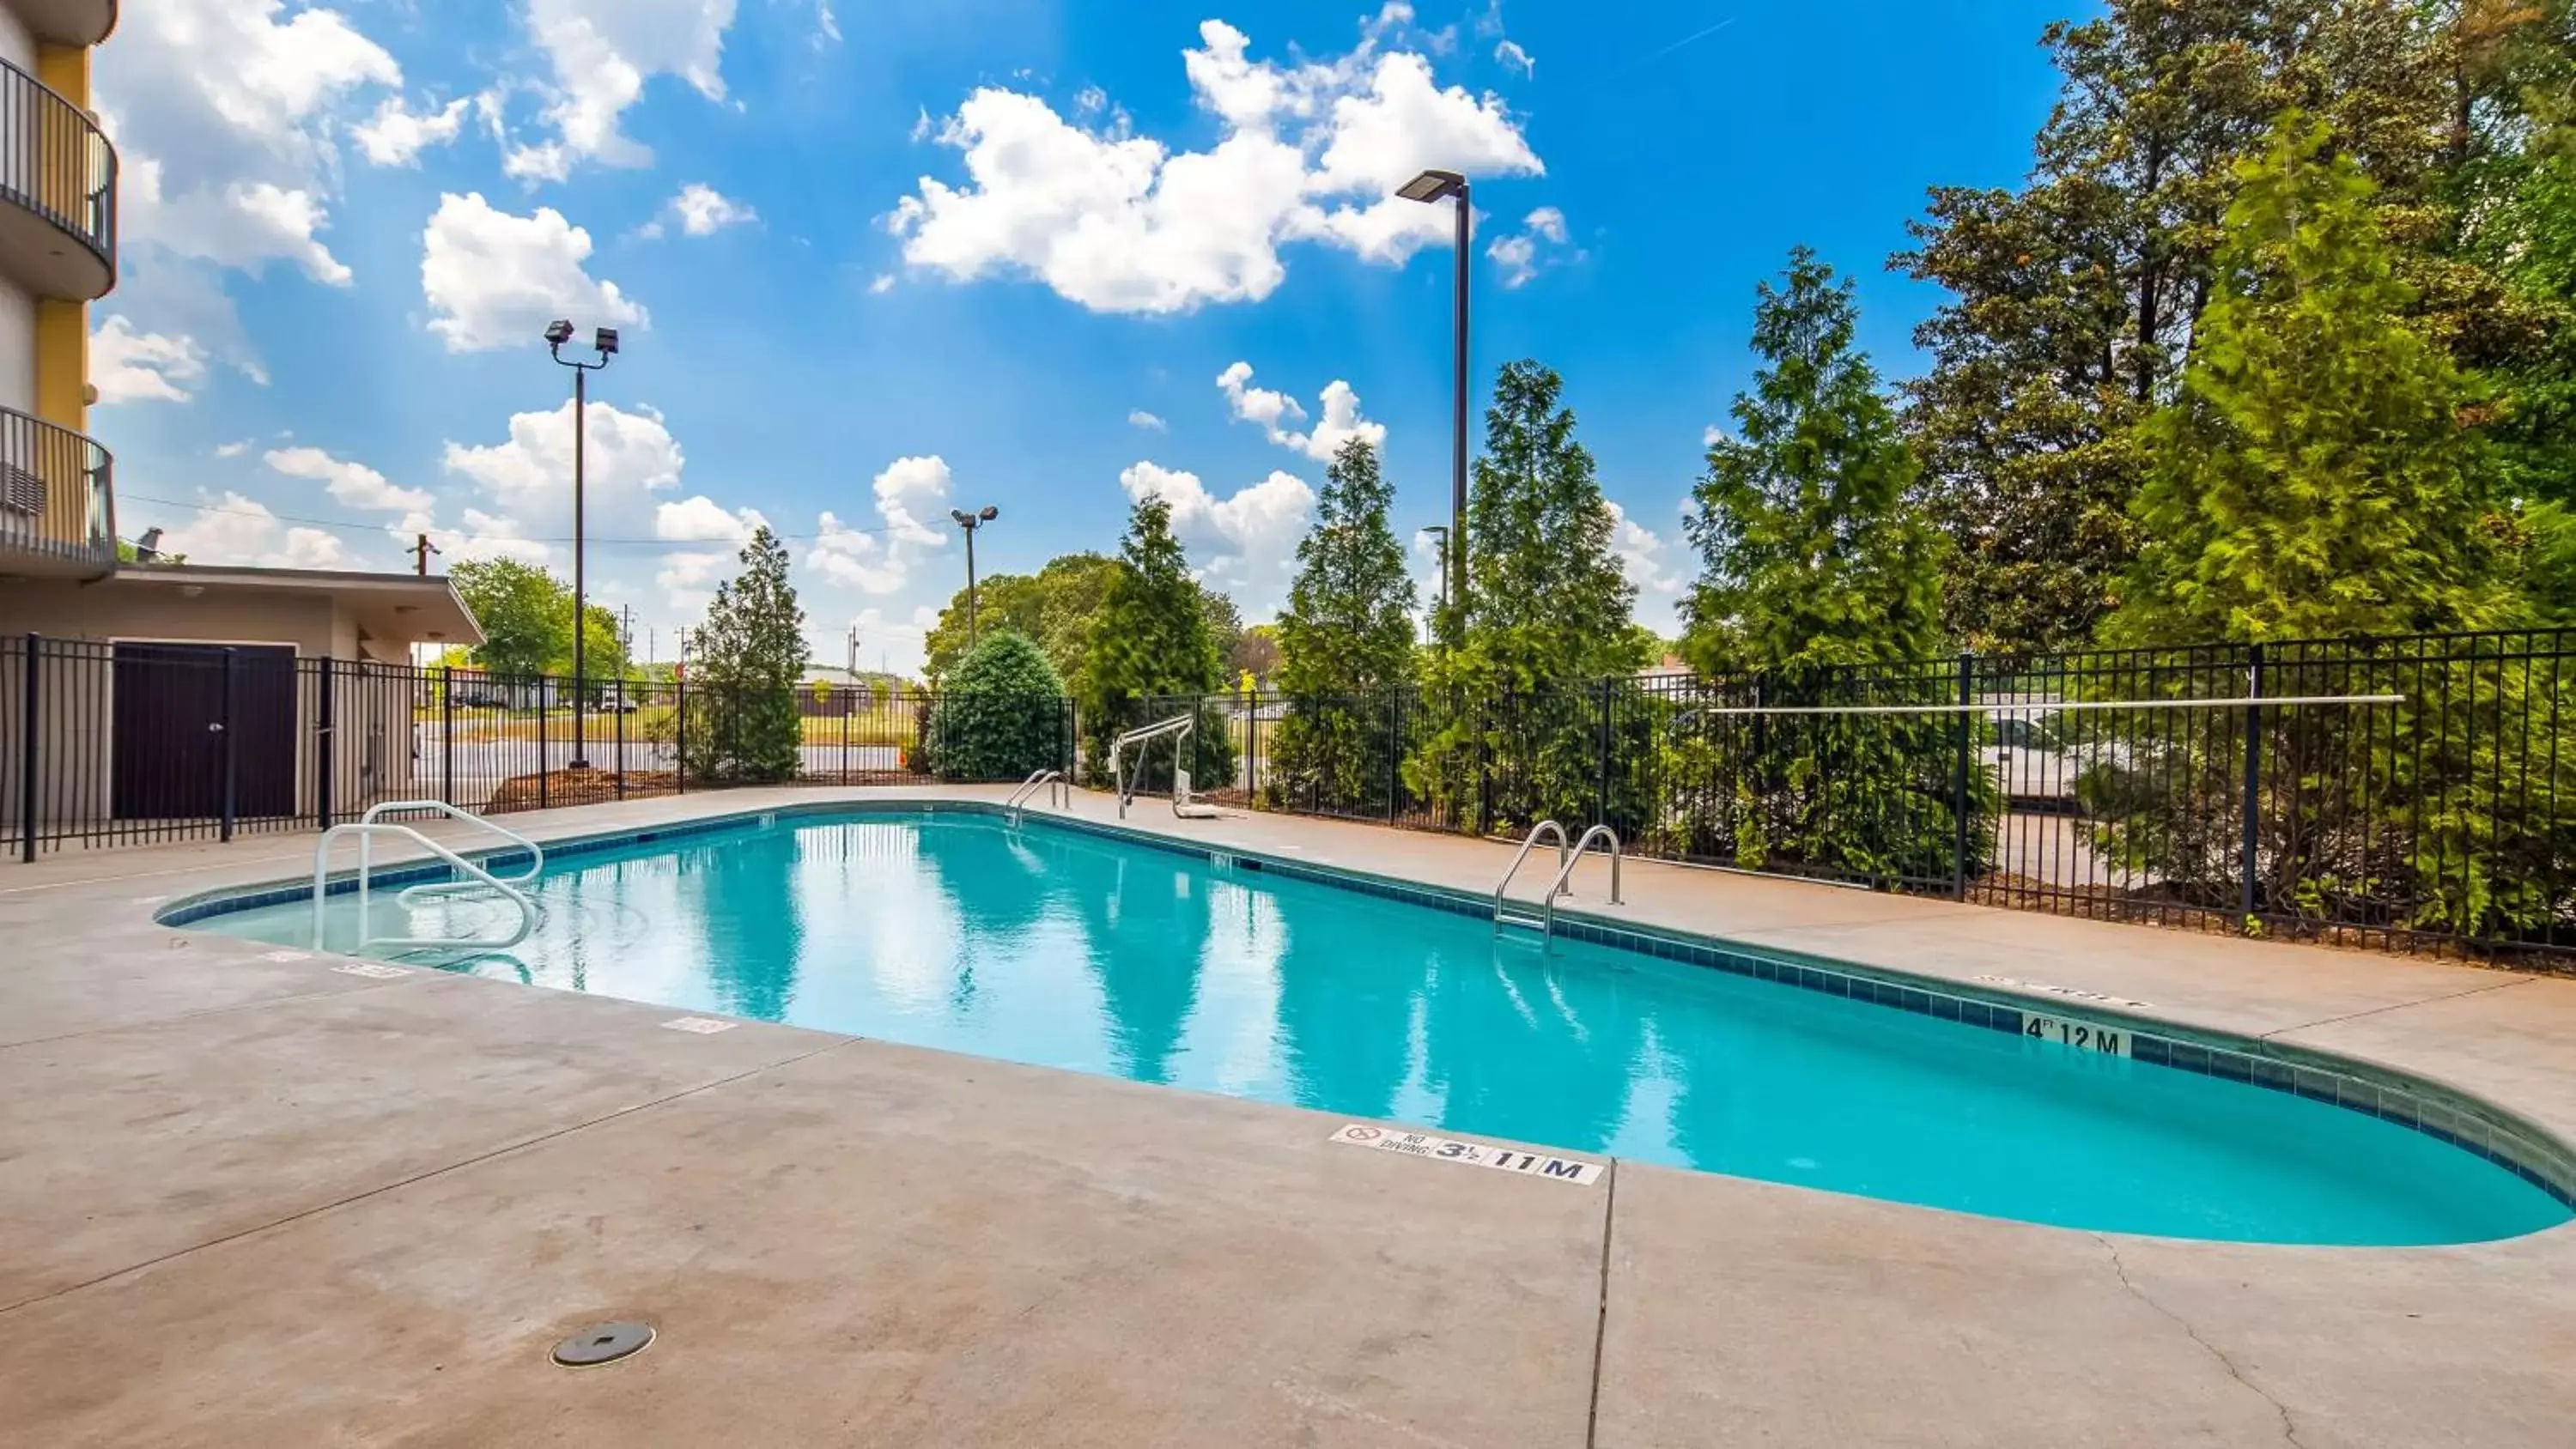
x=1001, y=715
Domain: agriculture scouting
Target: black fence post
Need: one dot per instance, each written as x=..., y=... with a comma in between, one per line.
x=1394, y=729
x=2253, y=786
x=27, y=812
x=1960, y=807
x=323, y=751
x=224, y=727
x=679, y=734
x=447, y=733
x=545, y=703
x=1601, y=795
x=622, y=699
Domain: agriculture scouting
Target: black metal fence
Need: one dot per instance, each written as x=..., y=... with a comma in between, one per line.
x=137, y=743
x=2416, y=792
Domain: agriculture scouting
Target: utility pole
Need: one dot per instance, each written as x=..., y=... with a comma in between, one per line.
x=854, y=653
x=421, y=549
x=626, y=630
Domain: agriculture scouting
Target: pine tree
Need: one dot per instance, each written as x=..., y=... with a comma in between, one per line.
x=1150, y=643
x=1812, y=562
x=1810, y=553
x=1345, y=642
x=744, y=723
x=2314, y=477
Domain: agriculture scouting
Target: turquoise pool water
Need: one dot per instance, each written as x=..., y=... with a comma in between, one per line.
x=1073, y=950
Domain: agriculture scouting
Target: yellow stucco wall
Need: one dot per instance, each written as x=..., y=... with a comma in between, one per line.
x=62, y=328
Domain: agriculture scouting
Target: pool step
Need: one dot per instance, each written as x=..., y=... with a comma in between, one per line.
x=1527, y=923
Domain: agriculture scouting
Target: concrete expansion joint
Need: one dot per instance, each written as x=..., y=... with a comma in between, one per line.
x=1601, y=1323
x=2289, y=1429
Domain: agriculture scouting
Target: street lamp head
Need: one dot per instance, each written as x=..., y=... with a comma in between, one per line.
x=964, y=519
x=990, y=513
x=558, y=332
x=606, y=341
x=1433, y=186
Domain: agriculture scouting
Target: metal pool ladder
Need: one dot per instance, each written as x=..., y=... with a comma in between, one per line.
x=1544, y=920
x=474, y=877
x=1058, y=793
x=1178, y=727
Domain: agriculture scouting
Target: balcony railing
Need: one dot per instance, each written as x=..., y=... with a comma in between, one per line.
x=56, y=163
x=57, y=492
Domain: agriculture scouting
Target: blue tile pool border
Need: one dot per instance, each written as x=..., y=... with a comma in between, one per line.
x=2473, y=1126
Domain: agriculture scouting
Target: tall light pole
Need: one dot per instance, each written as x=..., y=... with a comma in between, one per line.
x=1435, y=186
x=1443, y=531
x=971, y=522
x=605, y=343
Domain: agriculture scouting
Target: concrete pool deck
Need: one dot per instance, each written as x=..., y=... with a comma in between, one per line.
x=249, y=1199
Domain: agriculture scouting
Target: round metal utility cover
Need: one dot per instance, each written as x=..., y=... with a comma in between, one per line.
x=602, y=1343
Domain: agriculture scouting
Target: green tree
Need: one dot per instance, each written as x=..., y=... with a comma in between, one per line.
x=1810, y=554
x=1548, y=624
x=2314, y=477
x=1346, y=640
x=1002, y=714
x=1054, y=607
x=1812, y=563
x=524, y=610
x=1150, y=643
x=745, y=724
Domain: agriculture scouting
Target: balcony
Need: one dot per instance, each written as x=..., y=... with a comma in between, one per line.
x=67, y=22
x=57, y=500
x=57, y=193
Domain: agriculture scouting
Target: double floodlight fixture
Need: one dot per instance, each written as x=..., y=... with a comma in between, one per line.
x=969, y=520
x=559, y=332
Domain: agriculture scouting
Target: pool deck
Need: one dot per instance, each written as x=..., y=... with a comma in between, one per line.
x=249, y=1199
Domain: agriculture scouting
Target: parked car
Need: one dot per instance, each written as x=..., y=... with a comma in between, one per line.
x=2039, y=753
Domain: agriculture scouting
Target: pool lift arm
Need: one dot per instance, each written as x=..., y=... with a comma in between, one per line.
x=1178, y=727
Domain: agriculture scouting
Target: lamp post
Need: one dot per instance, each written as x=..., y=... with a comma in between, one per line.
x=1443, y=531
x=604, y=341
x=1436, y=186
x=971, y=522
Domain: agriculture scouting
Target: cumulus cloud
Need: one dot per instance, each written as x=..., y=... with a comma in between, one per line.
x=396, y=134
x=352, y=483
x=225, y=114
x=701, y=210
x=494, y=280
x=129, y=366
x=1274, y=411
x=1307, y=151
x=1246, y=543
x=633, y=465
x=1538, y=245
x=1653, y=564
x=601, y=53
x=700, y=519
x=235, y=529
x=911, y=499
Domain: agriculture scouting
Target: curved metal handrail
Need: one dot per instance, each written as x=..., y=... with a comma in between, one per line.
x=1565, y=873
x=57, y=163
x=1058, y=793
x=536, y=852
x=1528, y=844
x=366, y=832
x=57, y=489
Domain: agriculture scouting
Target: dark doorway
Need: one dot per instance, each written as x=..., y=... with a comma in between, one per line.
x=181, y=707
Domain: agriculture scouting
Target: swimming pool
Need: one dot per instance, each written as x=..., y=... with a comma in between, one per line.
x=1083, y=949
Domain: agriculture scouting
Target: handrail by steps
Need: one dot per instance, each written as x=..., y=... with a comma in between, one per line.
x=1565, y=875
x=536, y=852
x=366, y=832
x=1058, y=793
x=1530, y=843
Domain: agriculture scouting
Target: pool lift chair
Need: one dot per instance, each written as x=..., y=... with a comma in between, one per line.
x=1177, y=728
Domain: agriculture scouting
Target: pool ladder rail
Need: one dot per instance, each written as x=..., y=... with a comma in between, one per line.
x=1052, y=782
x=1543, y=918
x=471, y=877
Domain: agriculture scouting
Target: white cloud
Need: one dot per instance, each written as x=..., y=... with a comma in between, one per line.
x=484, y=536
x=1539, y=245
x=881, y=284
x=129, y=366
x=351, y=483
x=1510, y=53
x=632, y=465
x=700, y=519
x=1272, y=410
x=1246, y=544
x=234, y=529
x=232, y=450
x=701, y=210
x=397, y=134
x=602, y=53
x=1651, y=563
x=901, y=646
x=1712, y=435
x=1308, y=151
x=1150, y=423
x=225, y=114
x=911, y=498
x=495, y=280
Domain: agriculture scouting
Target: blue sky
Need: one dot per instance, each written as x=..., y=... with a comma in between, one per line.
x=872, y=262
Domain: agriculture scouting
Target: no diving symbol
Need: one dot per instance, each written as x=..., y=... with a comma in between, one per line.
x=1362, y=1134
